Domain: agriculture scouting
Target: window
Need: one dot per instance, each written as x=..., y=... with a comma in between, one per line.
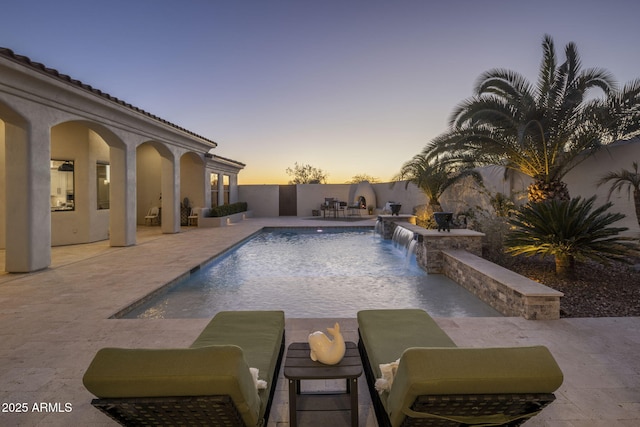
x=103, y=178
x=215, y=189
x=62, y=185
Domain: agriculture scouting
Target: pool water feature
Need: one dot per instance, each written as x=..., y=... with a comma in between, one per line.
x=406, y=239
x=313, y=273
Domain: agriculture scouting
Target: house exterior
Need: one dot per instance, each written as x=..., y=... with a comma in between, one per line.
x=78, y=165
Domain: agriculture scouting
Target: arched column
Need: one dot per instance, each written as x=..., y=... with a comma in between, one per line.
x=170, y=194
x=193, y=180
x=28, y=231
x=122, y=215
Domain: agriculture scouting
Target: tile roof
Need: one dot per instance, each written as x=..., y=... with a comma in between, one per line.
x=25, y=61
x=225, y=159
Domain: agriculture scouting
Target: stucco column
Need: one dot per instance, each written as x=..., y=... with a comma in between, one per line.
x=170, y=194
x=207, y=188
x=28, y=177
x=220, y=189
x=122, y=210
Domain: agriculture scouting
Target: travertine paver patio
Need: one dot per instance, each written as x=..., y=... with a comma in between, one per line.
x=52, y=322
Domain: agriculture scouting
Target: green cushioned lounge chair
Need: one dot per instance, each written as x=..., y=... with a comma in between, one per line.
x=207, y=384
x=439, y=384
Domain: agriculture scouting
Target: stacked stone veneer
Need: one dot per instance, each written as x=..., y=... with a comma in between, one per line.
x=506, y=291
x=457, y=254
x=430, y=255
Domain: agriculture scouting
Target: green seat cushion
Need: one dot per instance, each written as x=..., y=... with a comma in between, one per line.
x=440, y=371
x=205, y=371
x=258, y=333
x=386, y=334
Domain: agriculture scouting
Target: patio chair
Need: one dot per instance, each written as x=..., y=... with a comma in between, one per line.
x=153, y=216
x=210, y=383
x=192, y=219
x=328, y=206
x=436, y=383
x=341, y=207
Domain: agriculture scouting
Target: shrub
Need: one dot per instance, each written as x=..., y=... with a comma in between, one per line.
x=569, y=230
x=494, y=228
x=424, y=216
x=226, y=210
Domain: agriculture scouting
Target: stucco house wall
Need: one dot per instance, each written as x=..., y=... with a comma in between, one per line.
x=46, y=116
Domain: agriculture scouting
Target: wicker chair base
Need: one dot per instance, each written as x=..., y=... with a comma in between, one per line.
x=183, y=410
x=172, y=411
x=457, y=405
x=511, y=405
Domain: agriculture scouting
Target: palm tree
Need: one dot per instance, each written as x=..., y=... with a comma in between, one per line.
x=432, y=176
x=629, y=179
x=544, y=130
x=569, y=230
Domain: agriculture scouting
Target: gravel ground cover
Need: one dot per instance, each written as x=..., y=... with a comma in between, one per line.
x=595, y=291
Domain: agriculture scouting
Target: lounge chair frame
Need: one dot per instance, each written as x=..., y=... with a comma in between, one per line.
x=215, y=410
x=164, y=411
x=437, y=408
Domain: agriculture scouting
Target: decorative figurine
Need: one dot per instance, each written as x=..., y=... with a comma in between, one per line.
x=325, y=350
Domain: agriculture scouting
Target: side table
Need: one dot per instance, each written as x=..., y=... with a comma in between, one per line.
x=322, y=408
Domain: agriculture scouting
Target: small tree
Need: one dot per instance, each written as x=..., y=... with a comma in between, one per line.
x=629, y=179
x=569, y=230
x=356, y=179
x=306, y=174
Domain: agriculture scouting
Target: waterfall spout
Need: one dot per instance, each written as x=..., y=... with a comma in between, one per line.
x=405, y=239
x=379, y=229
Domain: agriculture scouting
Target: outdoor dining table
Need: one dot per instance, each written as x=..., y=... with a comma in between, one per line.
x=331, y=206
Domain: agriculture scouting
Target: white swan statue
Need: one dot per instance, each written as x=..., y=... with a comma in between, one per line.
x=325, y=350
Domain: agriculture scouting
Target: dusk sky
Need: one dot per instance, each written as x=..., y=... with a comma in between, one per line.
x=350, y=87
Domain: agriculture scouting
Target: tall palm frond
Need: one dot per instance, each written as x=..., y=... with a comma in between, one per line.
x=433, y=174
x=624, y=179
x=619, y=114
x=545, y=130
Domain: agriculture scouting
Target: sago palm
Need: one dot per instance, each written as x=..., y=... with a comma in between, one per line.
x=625, y=179
x=541, y=130
x=569, y=230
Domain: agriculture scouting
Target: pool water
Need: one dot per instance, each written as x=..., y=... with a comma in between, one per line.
x=313, y=273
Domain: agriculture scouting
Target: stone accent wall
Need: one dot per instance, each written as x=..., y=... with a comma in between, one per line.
x=429, y=254
x=457, y=255
x=506, y=291
x=388, y=224
x=432, y=242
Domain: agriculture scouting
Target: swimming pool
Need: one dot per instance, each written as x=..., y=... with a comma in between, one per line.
x=313, y=273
